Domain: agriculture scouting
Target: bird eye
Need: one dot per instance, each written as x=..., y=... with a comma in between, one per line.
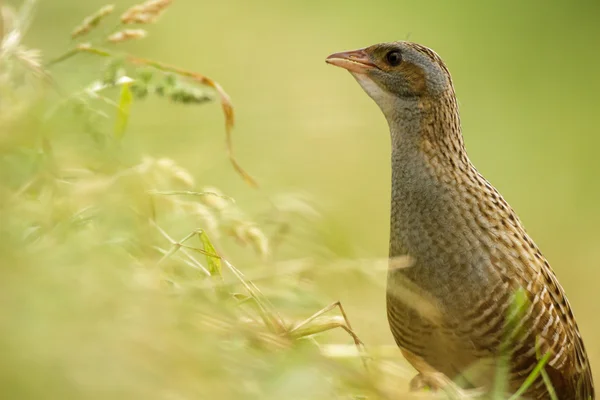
x=393, y=58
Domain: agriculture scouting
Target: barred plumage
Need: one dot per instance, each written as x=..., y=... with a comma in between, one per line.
x=469, y=250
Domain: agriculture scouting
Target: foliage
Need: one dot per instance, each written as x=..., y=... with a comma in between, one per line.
x=113, y=279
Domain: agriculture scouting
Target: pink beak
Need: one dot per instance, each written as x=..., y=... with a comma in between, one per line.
x=356, y=61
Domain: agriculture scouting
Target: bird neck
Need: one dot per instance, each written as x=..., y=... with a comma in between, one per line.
x=427, y=126
x=427, y=154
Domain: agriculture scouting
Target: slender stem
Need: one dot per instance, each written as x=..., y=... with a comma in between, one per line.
x=81, y=48
x=62, y=57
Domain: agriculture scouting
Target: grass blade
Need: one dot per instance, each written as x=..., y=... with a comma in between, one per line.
x=123, y=111
x=539, y=369
x=212, y=259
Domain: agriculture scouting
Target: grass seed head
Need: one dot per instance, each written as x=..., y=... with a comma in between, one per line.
x=127, y=34
x=92, y=21
x=145, y=13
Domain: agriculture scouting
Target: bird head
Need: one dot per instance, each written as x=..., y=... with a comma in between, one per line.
x=396, y=71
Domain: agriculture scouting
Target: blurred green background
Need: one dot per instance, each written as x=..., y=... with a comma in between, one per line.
x=526, y=76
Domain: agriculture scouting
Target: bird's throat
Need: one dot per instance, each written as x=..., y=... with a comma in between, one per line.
x=426, y=146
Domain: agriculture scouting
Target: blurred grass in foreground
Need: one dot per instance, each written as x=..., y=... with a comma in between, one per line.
x=112, y=281
x=100, y=295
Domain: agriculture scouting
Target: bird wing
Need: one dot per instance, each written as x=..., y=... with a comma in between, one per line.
x=548, y=323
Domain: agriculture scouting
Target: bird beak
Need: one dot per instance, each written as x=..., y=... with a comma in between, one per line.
x=356, y=61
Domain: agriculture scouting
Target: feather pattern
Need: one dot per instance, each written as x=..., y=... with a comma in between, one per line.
x=471, y=253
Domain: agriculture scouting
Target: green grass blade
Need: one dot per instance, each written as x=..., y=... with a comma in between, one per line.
x=125, y=100
x=511, y=329
x=213, y=262
x=539, y=369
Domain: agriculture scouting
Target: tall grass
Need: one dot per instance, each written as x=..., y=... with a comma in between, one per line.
x=114, y=281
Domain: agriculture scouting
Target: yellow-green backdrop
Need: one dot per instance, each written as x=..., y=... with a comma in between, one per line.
x=528, y=83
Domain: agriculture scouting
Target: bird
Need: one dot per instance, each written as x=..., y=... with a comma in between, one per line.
x=459, y=255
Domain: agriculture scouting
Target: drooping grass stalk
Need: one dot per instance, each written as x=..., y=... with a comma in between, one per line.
x=147, y=13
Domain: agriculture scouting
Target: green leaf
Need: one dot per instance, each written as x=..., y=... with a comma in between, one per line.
x=212, y=258
x=125, y=101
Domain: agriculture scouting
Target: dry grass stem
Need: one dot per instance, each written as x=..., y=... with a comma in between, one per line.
x=226, y=105
x=302, y=329
x=225, y=100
